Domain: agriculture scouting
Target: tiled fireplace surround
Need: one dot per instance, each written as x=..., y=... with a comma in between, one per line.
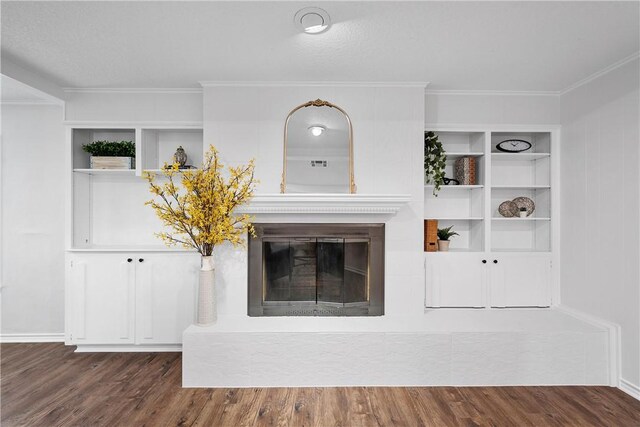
x=405, y=346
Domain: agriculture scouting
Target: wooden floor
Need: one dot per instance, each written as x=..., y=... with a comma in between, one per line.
x=49, y=385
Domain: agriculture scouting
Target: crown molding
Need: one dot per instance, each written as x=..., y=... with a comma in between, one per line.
x=489, y=127
x=600, y=73
x=131, y=90
x=493, y=92
x=311, y=84
x=424, y=85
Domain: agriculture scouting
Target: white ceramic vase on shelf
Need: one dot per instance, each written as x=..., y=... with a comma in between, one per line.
x=206, y=293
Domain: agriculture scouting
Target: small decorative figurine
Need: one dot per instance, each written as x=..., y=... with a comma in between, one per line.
x=180, y=157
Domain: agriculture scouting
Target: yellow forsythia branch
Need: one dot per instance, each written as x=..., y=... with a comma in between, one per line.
x=200, y=215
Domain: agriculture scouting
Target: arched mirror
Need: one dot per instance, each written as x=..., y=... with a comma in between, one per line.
x=318, y=150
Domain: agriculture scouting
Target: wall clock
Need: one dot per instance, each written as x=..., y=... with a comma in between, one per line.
x=513, y=145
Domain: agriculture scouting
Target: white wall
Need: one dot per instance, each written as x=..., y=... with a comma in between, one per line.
x=134, y=106
x=600, y=211
x=32, y=219
x=464, y=108
x=388, y=123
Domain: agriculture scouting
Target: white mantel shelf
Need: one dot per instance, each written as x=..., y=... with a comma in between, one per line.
x=314, y=204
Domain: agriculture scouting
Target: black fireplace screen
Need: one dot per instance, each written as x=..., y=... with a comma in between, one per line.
x=316, y=269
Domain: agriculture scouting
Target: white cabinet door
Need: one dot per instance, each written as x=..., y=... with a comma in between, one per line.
x=520, y=280
x=165, y=296
x=455, y=280
x=102, y=299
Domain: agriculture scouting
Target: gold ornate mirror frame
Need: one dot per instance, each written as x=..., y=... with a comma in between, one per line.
x=318, y=103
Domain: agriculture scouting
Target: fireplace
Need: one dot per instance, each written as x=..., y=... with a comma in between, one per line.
x=316, y=270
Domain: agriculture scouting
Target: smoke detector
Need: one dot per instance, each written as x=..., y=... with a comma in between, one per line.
x=312, y=20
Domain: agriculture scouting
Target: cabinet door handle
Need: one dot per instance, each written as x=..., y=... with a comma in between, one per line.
x=495, y=261
x=484, y=261
x=129, y=260
x=141, y=259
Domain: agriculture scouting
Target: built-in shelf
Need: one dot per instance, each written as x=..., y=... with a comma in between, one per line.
x=456, y=187
x=457, y=154
x=129, y=248
x=157, y=146
x=454, y=250
x=529, y=218
x=163, y=170
x=520, y=250
x=106, y=171
x=310, y=158
x=519, y=156
x=522, y=187
x=459, y=218
x=522, y=246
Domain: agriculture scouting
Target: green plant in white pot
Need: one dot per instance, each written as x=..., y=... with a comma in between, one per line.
x=444, y=234
x=111, y=154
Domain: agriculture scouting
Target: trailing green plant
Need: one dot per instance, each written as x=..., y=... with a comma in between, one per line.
x=111, y=148
x=434, y=161
x=446, y=233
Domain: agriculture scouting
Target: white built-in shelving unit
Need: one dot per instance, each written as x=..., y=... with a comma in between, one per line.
x=492, y=252
x=158, y=146
x=107, y=206
x=461, y=206
x=123, y=289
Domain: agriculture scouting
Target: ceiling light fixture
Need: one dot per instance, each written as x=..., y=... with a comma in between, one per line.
x=312, y=20
x=317, y=130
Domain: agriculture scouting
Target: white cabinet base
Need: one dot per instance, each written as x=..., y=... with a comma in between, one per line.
x=520, y=280
x=455, y=280
x=118, y=299
x=101, y=300
x=498, y=280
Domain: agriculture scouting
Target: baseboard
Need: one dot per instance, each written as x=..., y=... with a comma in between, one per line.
x=133, y=348
x=31, y=338
x=614, y=340
x=629, y=388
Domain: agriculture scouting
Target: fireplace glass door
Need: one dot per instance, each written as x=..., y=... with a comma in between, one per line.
x=328, y=272
x=316, y=270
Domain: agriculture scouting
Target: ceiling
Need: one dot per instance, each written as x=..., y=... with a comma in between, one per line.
x=523, y=46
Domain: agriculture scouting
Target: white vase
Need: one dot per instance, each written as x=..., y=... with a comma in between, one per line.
x=443, y=245
x=206, y=293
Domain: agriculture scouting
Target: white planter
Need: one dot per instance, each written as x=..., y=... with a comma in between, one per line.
x=443, y=245
x=207, y=313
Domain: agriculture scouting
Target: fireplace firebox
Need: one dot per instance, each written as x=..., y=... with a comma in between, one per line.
x=316, y=270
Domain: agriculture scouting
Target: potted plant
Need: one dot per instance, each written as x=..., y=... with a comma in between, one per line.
x=444, y=234
x=111, y=154
x=434, y=161
x=201, y=214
